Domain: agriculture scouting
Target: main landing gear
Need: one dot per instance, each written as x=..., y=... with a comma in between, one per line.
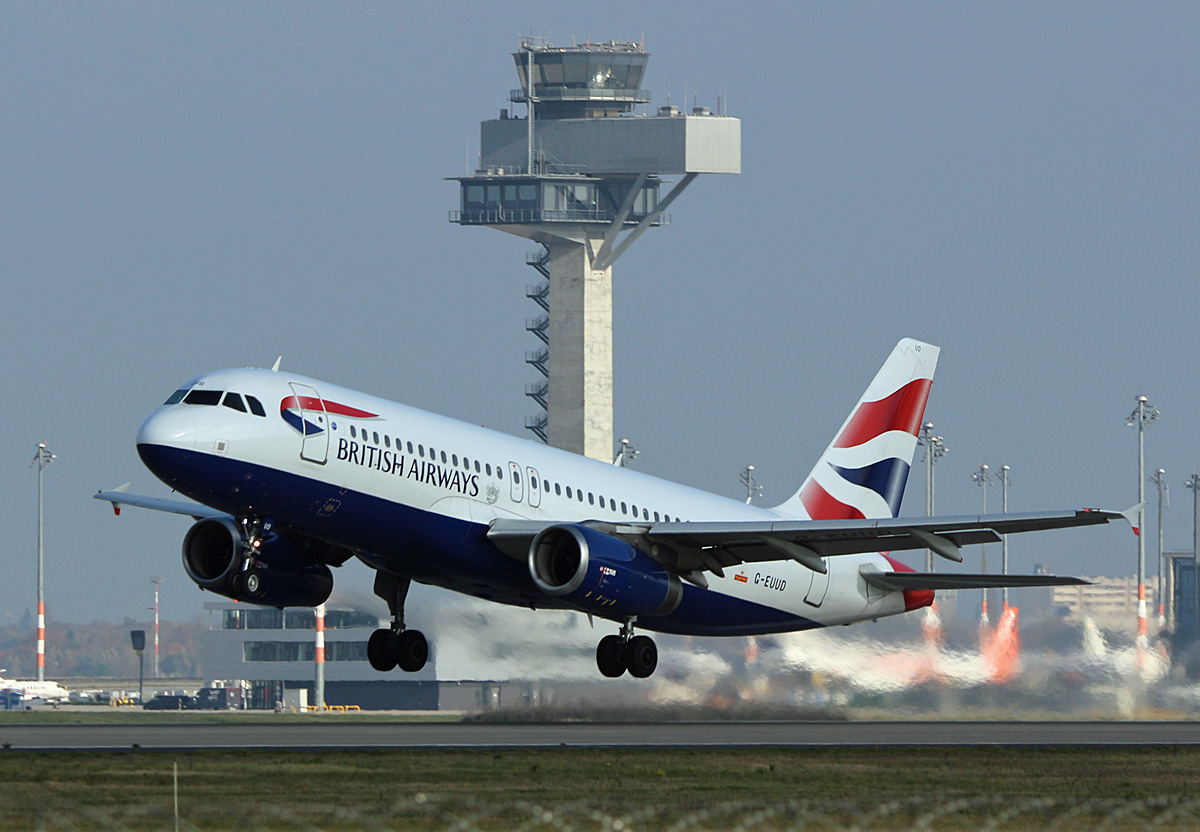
x=396, y=646
x=637, y=654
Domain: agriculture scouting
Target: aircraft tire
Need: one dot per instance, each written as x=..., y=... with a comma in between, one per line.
x=379, y=651
x=610, y=656
x=641, y=656
x=411, y=651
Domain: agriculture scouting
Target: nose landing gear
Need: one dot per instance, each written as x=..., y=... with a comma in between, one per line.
x=395, y=645
x=637, y=654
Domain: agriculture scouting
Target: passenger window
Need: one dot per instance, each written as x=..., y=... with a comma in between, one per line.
x=255, y=406
x=601, y=499
x=557, y=490
x=410, y=447
x=546, y=486
x=443, y=456
x=591, y=499
x=234, y=402
x=454, y=460
x=579, y=496
x=376, y=437
x=533, y=483
x=623, y=509
x=517, y=477
x=569, y=494
x=656, y=517
x=387, y=441
x=645, y=514
x=421, y=450
x=488, y=468
x=210, y=397
x=477, y=466
x=353, y=435
x=176, y=397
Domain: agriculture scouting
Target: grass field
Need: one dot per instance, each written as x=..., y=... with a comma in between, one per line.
x=596, y=788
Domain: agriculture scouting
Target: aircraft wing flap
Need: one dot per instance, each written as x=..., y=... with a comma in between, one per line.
x=899, y=581
x=119, y=497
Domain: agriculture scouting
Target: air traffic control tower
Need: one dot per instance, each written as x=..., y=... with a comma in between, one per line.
x=581, y=168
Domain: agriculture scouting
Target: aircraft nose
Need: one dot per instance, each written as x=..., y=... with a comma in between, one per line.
x=169, y=427
x=163, y=436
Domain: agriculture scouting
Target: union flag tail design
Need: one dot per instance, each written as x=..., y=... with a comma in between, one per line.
x=863, y=471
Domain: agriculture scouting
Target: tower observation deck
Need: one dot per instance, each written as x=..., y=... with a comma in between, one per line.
x=581, y=175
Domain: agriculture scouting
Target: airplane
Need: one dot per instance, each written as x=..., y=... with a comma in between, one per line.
x=292, y=476
x=48, y=691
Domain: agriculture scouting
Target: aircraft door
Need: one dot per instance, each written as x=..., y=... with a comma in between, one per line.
x=535, y=487
x=313, y=422
x=514, y=481
x=819, y=586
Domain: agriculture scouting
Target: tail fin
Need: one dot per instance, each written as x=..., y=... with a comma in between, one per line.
x=863, y=471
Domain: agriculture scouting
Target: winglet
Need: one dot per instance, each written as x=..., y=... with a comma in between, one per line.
x=1131, y=515
x=120, y=489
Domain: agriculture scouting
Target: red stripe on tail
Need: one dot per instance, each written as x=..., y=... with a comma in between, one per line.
x=900, y=411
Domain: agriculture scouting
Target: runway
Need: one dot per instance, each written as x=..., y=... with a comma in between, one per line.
x=356, y=734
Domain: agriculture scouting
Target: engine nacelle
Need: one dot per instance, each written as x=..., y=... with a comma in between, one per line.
x=279, y=574
x=598, y=573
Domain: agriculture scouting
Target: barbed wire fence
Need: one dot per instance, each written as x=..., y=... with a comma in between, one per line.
x=455, y=814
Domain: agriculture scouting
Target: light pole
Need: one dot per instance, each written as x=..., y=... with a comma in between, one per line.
x=753, y=489
x=1193, y=484
x=319, y=655
x=41, y=458
x=1004, y=481
x=1164, y=491
x=1141, y=416
x=935, y=449
x=156, y=580
x=625, y=454
x=983, y=480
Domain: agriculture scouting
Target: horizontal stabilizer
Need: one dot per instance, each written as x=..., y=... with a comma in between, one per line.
x=897, y=581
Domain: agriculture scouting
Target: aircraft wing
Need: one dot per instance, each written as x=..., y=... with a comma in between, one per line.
x=705, y=545
x=120, y=497
x=692, y=548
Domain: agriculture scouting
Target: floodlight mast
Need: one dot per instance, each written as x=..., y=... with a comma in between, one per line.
x=1164, y=491
x=156, y=580
x=1002, y=475
x=983, y=479
x=935, y=449
x=753, y=489
x=41, y=458
x=1193, y=485
x=1143, y=414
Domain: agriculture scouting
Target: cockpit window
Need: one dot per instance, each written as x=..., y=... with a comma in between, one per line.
x=212, y=397
x=255, y=406
x=234, y=401
x=176, y=397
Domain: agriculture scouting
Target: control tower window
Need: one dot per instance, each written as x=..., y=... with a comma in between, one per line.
x=210, y=397
x=176, y=397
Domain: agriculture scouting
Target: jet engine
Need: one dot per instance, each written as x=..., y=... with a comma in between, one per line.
x=598, y=573
x=278, y=573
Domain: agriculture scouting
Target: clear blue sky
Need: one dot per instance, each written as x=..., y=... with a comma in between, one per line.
x=193, y=186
